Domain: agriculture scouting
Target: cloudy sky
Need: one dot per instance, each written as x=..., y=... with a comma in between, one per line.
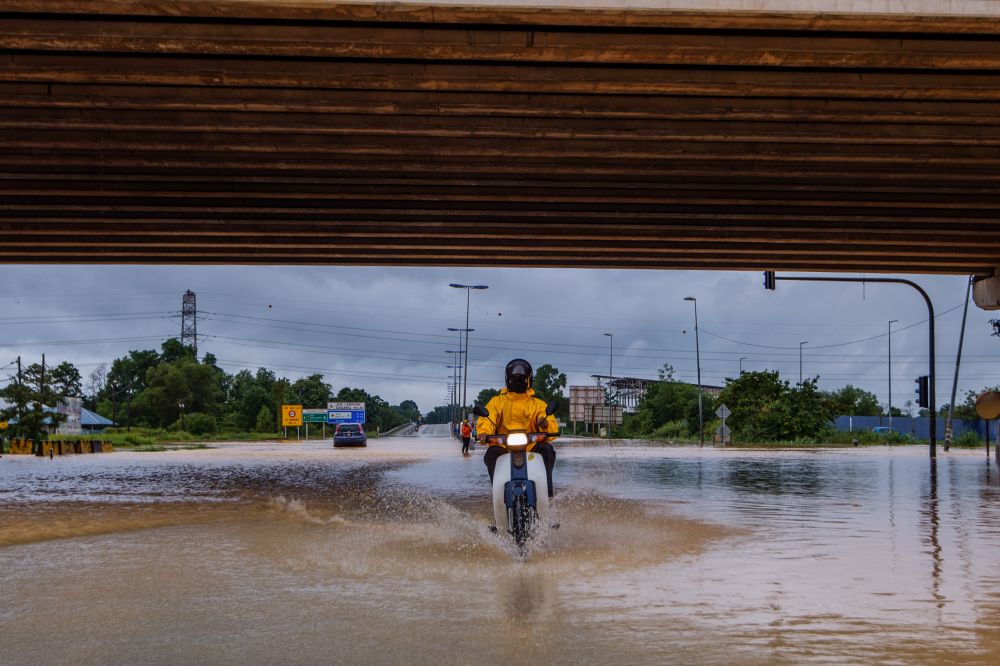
x=385, y=329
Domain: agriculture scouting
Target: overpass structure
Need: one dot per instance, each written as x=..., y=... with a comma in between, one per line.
x=308, y=132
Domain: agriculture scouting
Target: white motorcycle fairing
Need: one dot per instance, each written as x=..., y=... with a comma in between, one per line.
x=501, y=476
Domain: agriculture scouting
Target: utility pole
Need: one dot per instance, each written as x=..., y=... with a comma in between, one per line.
x=465, y=361
x=891, y=322
x=697, y=354
x=800, y=360
x=954, y=383
x=611, y=377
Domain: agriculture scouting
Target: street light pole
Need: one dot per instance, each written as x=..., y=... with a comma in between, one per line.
x=465, y=373
x=931, y=369
x=891, y=322
x=800, y=360
x=454, y=383
x=697, y=354
x=742, y=358
x=611, y=375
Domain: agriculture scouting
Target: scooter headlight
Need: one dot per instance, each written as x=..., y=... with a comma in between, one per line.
x=517, y=439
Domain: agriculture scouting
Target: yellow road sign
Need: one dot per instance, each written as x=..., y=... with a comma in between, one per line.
x=291, y=415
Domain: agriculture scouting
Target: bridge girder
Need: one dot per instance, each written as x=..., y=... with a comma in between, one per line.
x=310, y=133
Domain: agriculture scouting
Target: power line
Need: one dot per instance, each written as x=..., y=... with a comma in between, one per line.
x=839, y=344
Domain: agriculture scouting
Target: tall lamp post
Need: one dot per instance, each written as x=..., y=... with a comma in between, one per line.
x=464, y=359
x=611, y=375
x=697, y=354
x=800, y=360
x=891, y=322
x=742, y=358
x=465, y=373
x=454, y=381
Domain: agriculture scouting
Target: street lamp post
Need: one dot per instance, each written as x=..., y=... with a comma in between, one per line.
x=454, y=381
x=742, y=358
x=465, y=373
x=891, y=322
x=800, y=360
x=611, y=375
x=697, y=353
x=464, y=361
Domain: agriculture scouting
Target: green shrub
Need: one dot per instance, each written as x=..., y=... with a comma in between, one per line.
x=969, y=438
x=197, y=423
x=265, y=420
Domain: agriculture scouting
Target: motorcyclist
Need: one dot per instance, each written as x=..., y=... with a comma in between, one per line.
x=517, y=409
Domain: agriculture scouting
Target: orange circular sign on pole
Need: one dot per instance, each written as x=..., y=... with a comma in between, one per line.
x=988, y=405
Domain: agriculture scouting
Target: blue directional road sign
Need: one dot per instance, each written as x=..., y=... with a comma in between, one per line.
x=345, y=416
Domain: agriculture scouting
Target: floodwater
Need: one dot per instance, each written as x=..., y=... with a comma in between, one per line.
x=304, y=554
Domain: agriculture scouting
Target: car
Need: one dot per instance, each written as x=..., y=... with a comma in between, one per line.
x=883, y=430
x=349, y=434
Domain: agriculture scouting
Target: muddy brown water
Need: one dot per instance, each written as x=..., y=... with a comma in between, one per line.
x=303, y=554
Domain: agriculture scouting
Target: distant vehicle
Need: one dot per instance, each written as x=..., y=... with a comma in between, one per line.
x=884, y=430
x=349, y=434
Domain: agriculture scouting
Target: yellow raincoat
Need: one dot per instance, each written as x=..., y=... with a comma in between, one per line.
x=515, y=412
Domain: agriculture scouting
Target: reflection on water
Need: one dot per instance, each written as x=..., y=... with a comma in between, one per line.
x=305, y=554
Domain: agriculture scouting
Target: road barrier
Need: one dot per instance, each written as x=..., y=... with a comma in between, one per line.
x=18, y=446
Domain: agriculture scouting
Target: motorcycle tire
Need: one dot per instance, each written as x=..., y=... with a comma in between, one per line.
x=521, y=522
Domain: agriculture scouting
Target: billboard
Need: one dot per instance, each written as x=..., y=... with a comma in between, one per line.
x=581, y=398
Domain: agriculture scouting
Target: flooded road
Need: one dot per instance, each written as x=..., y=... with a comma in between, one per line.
x=302, y=554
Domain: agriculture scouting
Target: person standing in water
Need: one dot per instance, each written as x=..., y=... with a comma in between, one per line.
x=466, y=437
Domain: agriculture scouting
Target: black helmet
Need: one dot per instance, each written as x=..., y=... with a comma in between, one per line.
x=518, y=375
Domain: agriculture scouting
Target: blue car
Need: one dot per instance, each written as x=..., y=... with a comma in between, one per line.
x=349, y=434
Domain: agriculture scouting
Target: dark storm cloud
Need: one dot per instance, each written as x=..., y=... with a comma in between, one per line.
x=385, y=329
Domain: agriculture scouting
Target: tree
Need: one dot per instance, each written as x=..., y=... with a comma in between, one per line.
x=31, y=399
x=409, y=410
x=168, y=393
x=66, y=380
x=853, y=401
x=265, y=420
x=311, y=391
x=96, y=381
x=664, y=402
x=441, y=414
x=172, y=351
x=765, y=408
x=549, y=384
x=485, y=396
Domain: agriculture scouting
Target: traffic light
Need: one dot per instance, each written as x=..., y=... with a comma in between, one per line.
x=769, y=280
x=922, y=383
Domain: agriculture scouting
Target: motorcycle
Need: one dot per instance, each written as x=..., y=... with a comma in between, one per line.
x=520, y=485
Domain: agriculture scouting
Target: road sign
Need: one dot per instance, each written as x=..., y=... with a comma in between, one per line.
x=988, y=405
x=345, y=406
x=723, y=412
x=723, y=435
x=314, y=415
x=291, y=415
x=345, y=415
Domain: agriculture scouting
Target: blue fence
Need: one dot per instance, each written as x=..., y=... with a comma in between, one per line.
x=918, y=427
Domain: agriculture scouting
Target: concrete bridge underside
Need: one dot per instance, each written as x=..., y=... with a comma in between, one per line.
x=316, y=133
